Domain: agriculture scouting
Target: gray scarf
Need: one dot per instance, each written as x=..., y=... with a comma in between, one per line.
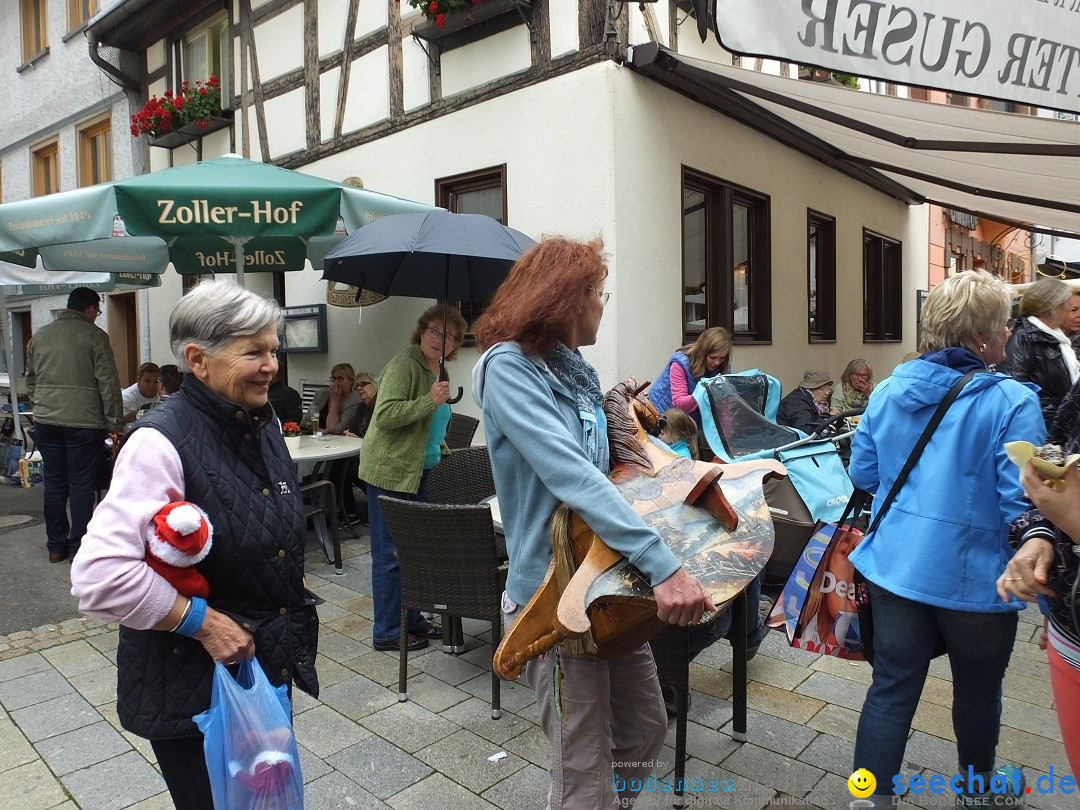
x=570, y=368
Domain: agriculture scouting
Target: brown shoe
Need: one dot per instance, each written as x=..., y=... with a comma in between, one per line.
x=57, y=556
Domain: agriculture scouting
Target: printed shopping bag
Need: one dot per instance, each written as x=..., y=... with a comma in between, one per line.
x=817, y=607
x=249, y=743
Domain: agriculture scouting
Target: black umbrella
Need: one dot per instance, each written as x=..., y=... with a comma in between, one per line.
x=438, y=254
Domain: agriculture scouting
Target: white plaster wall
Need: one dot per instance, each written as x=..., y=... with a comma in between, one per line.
x=332, y=16
x=328, y=91
x=563, y=27
x=369, y=91
x=491, y=58
x=648, y=226
x=280, y=43
x=416, y=90
x=287, y=135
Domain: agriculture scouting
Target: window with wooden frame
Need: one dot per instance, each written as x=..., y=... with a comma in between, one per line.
x=726, y=279
x=46, y=167
x=479, y=192
x=95, y=153
x=204, y=52
x=882, y=288
x=34, y=36
x=821, y=276
x=80, y=12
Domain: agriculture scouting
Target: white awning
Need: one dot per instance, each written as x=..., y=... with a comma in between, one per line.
x=1015, y=169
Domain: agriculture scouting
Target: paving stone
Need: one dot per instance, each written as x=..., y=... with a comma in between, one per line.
x=323, y=731
x=339, y=648
x=115, y=783
x=463, y=757
x=832, y=689
x=709, y=745
x=97, y=686
x=781, y=703
x=527, y=787
x=331, y=672
x=82, y=747
x=1028, y=688
x=831, y=754
x=162, y=801
x=328, y=612
x=531, y=744
x=773, y=770
x=775, y=645
x=934, y=720
x=409, y=726
x=437, y=791
x=709, y=711
x=449, y=668
x=311, y=766
x=859, y=671
x=1030, y=718
x=350, y=625
x=774, y=672
x=433, y=694
x=1053, y=798
x=924, y=751
x=837, y=721
x=715, y=682
x=774, y=733
x=15, y=749
x=333, y=592
x=302, y=701
x=938, y=692
x=22, y=665
x=830, y=792
x=75, y=658
x=475, y=715
x=30, y=689
x=335, y=791
x=380, y=668
x=357, y=697
x=384, y=769
x=513, y=696
x=722, y=787
x=1031, y=750
x=55, y=716
x=31, y=787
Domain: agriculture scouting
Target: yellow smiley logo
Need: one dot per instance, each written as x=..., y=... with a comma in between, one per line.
x=861, y=783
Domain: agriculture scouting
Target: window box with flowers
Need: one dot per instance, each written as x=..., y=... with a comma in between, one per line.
x=452, y=23
x=181, y=117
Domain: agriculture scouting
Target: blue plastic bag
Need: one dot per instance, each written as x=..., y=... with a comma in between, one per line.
x=249, y=743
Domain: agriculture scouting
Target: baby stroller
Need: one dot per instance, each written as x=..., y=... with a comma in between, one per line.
x=817, y=486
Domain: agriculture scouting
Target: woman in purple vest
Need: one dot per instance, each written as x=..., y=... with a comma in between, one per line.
x=707, y=356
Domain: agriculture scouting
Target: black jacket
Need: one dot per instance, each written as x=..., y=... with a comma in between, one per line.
x=237, y=469
x=797, y=410
x=1034, y=356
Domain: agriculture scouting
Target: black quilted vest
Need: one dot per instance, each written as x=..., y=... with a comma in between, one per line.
x=237, y=469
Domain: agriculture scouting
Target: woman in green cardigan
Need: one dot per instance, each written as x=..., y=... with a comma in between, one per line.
x=403, y=442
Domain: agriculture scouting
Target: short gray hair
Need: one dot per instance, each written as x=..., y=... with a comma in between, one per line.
x=1044, y=296
x=213, y=313
x=960, y=306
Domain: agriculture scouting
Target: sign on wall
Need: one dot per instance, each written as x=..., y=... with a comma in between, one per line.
x=1027, y=51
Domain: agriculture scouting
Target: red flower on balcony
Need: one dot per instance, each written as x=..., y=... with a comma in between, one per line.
x=194, y=103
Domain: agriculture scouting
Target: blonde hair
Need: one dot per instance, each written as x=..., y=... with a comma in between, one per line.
x=854, y=367
x=961, y=306
x=714, y=340
x=679, y=425
x=1044, y=296
x=347, y=370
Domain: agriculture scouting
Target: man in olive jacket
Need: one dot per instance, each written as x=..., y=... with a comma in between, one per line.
x=72, y=381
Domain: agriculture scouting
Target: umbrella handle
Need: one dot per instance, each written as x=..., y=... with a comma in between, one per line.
x=457, y=398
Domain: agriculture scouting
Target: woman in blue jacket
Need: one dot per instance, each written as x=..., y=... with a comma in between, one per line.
x=547, y=436
x=933, y=561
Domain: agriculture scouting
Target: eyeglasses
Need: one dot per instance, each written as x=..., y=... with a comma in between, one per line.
x=337, y=379
x=438, y=334
x=603, y=296
x=363, y=384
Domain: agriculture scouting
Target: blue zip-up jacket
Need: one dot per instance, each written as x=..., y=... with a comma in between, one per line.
x=944, y=540
x=534, y=438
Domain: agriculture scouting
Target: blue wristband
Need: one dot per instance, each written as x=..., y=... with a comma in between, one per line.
x=193, y=621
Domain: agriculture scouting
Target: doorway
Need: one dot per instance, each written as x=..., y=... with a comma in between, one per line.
x=123, y=328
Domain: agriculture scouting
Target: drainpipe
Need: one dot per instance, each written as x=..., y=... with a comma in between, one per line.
x=110, y=70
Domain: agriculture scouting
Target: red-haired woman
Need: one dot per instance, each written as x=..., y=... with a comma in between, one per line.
x=547, y=437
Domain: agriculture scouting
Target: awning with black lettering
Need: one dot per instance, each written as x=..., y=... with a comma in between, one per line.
x=1016, y=169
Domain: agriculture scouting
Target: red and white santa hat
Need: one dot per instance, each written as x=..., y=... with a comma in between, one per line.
x=180, y=534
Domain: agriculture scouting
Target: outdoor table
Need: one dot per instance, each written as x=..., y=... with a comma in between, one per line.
x=317, y=451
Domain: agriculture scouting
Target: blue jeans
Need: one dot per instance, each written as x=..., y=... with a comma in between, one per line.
x=979, y=646
x=703, y=637
x=73, y=458
x=385, y=572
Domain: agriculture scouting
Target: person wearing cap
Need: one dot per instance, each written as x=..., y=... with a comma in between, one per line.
x=807, y=406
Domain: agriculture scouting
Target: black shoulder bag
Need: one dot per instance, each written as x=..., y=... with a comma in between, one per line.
x=862, y=593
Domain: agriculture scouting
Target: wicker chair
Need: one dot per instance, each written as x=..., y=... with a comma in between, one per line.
x=461, y=430
x=448, y=565
x=463, y=477
x=671, y=649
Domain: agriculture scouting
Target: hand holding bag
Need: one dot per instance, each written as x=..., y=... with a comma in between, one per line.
x=249, y=743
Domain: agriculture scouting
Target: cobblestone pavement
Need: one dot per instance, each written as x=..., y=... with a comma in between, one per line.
x=61, y=745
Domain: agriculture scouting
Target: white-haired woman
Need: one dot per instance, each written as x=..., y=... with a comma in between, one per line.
x=932, y=562
x=214, y=443
x=1039, y=352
